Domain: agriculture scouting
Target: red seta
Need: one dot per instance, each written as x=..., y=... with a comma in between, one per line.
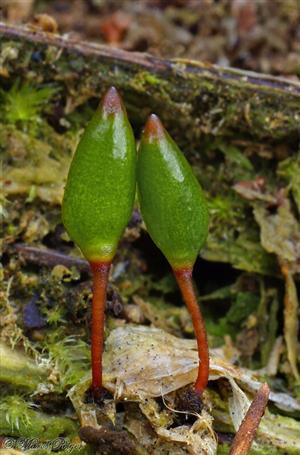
x=100, y=272
x=185, y=283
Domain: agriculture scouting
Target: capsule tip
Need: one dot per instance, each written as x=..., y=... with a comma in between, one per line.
x=112, y=103
x=153, y=128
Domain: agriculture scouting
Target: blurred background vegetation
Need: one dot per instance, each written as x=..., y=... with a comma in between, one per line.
x=258, y=35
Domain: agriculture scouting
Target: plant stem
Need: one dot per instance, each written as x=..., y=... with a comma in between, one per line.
x=100, y=271
x=184, y=280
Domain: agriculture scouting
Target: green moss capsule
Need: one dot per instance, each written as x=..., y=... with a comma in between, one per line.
x=175, y=212
x=98, y=202
x=171, y=199
x=100, y=189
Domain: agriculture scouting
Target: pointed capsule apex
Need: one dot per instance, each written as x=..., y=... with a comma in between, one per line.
x=112, y=103
x=154, y=129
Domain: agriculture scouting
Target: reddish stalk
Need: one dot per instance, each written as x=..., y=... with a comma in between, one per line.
x=244, y=437
x=100, y=271
x=184, y=280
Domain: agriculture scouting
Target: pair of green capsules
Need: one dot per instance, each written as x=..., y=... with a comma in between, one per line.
x=99, y=199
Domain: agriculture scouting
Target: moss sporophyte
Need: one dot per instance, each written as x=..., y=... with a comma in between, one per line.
x=175, y=213
x=98, y=202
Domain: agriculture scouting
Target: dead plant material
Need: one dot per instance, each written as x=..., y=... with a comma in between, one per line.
x=118, y=442
x=245, y=435
x=47, y=257
x=291, y=324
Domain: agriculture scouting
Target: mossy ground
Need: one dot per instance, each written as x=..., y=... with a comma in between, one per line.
x=253, y=194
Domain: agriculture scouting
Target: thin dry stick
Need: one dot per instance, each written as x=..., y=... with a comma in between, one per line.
x=246, y=433
x=48, y=257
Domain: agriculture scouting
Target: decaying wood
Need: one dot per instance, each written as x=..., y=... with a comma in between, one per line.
x=192, y=98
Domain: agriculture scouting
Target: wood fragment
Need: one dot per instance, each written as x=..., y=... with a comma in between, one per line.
x=244, y=437
x=202, y=98
x=49, y=258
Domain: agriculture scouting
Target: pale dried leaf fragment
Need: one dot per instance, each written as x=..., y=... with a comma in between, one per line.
x=279, y=231
x=290, y=170
x=272, y=366
x=156, y=366
x=238, y=404
x=199, y=439
x=142, y=362
x=280, y=234
x=254, y=190
x=291, y=325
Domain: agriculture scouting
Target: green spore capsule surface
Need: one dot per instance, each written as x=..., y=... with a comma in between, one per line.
x=172, y=202
x=100, y=189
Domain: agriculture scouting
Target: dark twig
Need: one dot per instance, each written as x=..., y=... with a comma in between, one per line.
x=49, y=258
x=246, y=433
x=203, y=98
